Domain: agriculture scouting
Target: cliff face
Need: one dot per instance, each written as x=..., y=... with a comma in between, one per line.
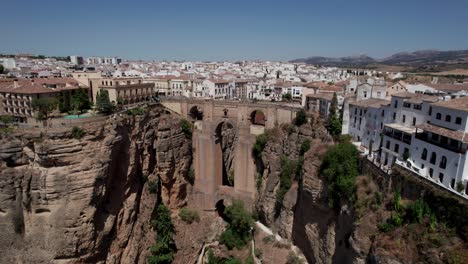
x=305, y=217
x=91, y=199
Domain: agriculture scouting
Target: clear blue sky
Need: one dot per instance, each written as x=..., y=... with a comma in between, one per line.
x=231, y=29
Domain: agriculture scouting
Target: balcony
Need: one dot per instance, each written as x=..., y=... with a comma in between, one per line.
x=458, y=148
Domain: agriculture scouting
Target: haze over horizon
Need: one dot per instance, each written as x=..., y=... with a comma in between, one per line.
x=215, y=30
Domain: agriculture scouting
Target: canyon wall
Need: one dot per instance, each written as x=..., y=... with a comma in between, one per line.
x=90, y=200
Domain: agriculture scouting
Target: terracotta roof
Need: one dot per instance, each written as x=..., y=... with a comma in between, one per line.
x=453, y=134
x=326, y=96
x=28, y=89
x=218, y=81
x=417, y=98
x=372, y=102
x=457, y=104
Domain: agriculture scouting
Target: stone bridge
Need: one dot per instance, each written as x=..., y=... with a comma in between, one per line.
x=245, y=121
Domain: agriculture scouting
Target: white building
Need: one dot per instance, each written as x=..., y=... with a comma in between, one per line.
x=8, y=63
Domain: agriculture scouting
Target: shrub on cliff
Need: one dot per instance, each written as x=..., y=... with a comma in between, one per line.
x=162, y=252
x=77, y=132
x=289, y=169
x=189, y=215
x=259, y=146
x=240, y=224
x=301, y=118
x=186, y=127
x=340, y=169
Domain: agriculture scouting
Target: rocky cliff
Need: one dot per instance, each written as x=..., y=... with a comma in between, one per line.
x=88, y=200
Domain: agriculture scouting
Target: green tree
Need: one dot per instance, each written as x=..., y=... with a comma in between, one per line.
x=240, y=224
x=286, y=97
x=44, y=107
x=80, y=101
x=334, y=122
x=301, y=118
x=2, y=69
x=103, y=103
x=162, y=252
x=340, y=169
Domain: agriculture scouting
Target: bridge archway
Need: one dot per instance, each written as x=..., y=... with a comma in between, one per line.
x=257, y=117
x=225, y=139
x=196, y=112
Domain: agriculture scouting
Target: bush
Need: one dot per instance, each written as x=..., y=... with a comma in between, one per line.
x=301, y=118
x=163, y=250
x=259, y=181
x=269, y=239
x=230, y=178
x=77, y=132
x=340, y=169
x=258, y=253
x=186, y=127
x=305, y=146
x=289, y=168
x=415, y=212
x=6, y=119
x=259, y=146
x=240, y=224
x=191, y=176
x=293, y=259
x=152, y=186
x=189, y=215
x=135, y=111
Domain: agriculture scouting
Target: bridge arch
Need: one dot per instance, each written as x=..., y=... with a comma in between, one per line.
x=225, y=136
x=258, y=117
x=196, y=112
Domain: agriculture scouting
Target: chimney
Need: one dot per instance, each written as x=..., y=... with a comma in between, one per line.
x=15, y=83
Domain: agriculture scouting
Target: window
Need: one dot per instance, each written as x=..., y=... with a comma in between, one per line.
x=407, y=105
x=433, y=158
x=387, y=145
x=443, y=162
x=441, y=177
x=424, y=154
x=394, y=116
x=355, y=111
x=417, y=106
x=383, y=113
x=379, y=94
x=431, y=172
x=448, y=118
x=404, y=119
x=458, y=120
x=452, y=184
x=438, y=116
x=430, y=110
x=397, y=148
x=396, y=104
x=414, y=121
x=365, y=94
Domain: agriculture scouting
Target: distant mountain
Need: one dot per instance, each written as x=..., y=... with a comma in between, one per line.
x=422, y=58
x=361, y=60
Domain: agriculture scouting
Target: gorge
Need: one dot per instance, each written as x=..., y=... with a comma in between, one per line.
x=91, y=198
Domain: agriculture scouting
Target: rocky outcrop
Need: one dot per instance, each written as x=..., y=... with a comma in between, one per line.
x=68, y=200
x=305, y=217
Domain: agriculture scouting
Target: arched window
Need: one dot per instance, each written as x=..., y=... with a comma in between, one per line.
x=448, y=118
x=433, y=158
x=424, y=154
x=443, y=162
x=438, y=116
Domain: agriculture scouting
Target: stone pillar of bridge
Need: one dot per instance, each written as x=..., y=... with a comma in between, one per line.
x=244, y=166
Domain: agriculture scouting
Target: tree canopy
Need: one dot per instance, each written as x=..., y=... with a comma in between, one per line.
x=340, y=169
x=103, y=103
x=334, y=122
x=44, y=107
x=80, y=101
x=162, y=252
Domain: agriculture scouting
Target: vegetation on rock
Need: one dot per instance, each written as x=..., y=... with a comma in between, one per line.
x=240, y=223
x=189, y=215
x=334, y=122
x=162, y=252
x=301, y=118
x=77, y=132
x=186, y=127
x=340, y=169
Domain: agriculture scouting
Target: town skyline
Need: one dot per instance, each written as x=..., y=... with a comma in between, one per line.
x=210, y=31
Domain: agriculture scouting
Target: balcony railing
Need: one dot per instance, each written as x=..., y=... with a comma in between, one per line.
x=424, y=137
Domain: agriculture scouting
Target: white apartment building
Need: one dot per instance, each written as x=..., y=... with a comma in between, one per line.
x=217, y=88
x=439, y=148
